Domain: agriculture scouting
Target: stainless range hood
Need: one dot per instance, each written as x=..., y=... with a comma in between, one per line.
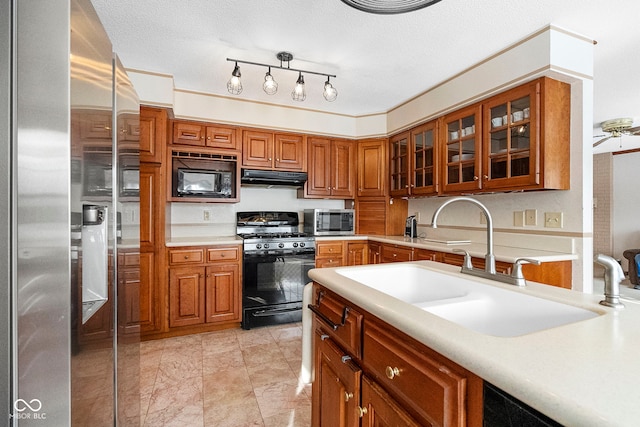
x=270, y=178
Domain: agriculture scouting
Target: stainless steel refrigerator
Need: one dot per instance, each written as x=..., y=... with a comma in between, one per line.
x=69, y=178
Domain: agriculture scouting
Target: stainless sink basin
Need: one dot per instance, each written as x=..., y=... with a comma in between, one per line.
x=478, y=306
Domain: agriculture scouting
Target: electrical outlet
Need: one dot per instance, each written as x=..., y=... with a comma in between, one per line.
x=553, y=219
x=207, y=215
x=518, y=218
x=531, y=217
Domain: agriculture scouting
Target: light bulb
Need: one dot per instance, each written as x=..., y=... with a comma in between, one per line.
x=270, y=86
x=234, y=85
x=330, y=93
x=299, y=93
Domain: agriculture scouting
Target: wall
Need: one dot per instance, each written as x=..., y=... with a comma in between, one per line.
x=626, y=204
x=551, y=51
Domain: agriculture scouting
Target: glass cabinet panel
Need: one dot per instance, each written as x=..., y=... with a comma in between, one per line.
x=423, y=167
x=399, y=164
x=510, y=140
x=461, y=150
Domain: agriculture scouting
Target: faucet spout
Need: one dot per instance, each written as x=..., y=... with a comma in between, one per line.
x=490, y=261
x=613, y=275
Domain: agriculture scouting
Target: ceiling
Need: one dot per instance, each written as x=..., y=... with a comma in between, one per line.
x=380, y=61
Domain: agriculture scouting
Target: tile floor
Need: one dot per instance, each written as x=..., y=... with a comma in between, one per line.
x=228, y=378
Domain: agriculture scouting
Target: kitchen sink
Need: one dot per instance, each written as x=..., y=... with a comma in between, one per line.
x=478, y=306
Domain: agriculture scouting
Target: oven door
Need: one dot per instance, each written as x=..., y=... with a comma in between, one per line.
x=272, y=287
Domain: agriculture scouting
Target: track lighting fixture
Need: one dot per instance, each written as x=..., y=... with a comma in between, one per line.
x=234, y=85
x=330, y=93
x=270, y=87
x=299, y=94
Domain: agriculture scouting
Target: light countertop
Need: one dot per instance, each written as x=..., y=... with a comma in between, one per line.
x=580, y=374
x=501, y=252
x=203, y=241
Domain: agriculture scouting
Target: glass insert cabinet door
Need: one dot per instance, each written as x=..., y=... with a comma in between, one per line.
x=423, y=164
x=511, y=138
x=461, y=132
x=399, y=164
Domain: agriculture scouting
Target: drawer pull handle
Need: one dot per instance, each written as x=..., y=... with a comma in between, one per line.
x=392, y=372
x=361, y=411
x=345, y=358
x=348, y=396
x=334, y=326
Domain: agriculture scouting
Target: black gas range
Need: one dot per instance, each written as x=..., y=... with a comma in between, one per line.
x=276, y=260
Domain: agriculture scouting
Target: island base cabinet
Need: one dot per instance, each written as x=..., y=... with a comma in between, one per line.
x=336, y=391
x=379, y=410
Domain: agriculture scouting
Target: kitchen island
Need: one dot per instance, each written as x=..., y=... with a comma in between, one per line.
x=582, y=373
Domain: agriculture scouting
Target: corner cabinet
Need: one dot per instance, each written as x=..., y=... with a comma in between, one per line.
x=369, y=373
x=372, y=168
x=331, y=171
x=414, y=165
x=526, y=137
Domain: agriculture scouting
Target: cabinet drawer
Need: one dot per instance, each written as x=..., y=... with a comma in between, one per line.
x=394, y=253
x=186, y=256
x=132, y=259
x=342, y=322
x=329, y=249
x=431, y=386
x=223, y=254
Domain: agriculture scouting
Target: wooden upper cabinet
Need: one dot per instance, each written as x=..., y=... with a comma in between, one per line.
x=526, y=137
x=204, y=135
x=414, y=162
x=331, y=171
x=399, y=164
x=372, y=168
x=266, y=150
x=153, y=134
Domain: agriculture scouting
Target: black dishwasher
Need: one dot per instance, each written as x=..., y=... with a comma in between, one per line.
x=503, y=410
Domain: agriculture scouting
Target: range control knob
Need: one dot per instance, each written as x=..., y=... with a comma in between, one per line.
x=281, y=245
x=258, y=245
x=266, y=246
x=302, y=244
x=295, y=244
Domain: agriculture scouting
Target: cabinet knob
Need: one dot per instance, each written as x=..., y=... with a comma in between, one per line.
x=392, y=372
x=348, y=396
x=485, y=176
x=269, y=158
x=208, y=138
x=361, y=411
x=186, y=257
x=475, y=178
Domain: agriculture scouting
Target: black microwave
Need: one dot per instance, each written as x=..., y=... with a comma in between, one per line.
x=204, y=183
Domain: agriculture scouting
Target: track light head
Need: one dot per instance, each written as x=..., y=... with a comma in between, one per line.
x=299, y=93
x=234, y=85
x=269, y=86
x=330, y=93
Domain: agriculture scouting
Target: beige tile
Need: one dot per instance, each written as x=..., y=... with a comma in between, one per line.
x=176, y=395
x=262, y=355
x=233, y=387
x=176, y=368
x=223, y=361
x=219, y=342
x=274, y=399
x=273, y=372
x=253, y=337
x=242, y=415
x=191, y=415
x=297, y=417
x=288, y=334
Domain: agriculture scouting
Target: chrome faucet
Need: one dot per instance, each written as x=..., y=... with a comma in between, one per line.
x=613, y=275
x=489, y=272
x=490, y=260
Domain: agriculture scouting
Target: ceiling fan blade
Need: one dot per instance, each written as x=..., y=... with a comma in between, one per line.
x=634, y=131
x=595, y=144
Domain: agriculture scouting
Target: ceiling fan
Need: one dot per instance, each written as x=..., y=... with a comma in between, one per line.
x=617, y=128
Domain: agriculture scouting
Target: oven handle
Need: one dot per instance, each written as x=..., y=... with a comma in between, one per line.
x=325, y=319
x=274, y=312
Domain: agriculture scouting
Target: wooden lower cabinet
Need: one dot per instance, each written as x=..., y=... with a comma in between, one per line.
x=396, y=253
x=370, y=374
x=204, y=286
x=357, y=252
x=338, y=253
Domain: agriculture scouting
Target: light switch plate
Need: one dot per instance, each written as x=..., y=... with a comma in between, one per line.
x=553, y=219
x=531, y=217
x=518, y=218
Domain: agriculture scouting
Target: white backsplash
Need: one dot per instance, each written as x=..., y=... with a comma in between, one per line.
x=188, y=219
